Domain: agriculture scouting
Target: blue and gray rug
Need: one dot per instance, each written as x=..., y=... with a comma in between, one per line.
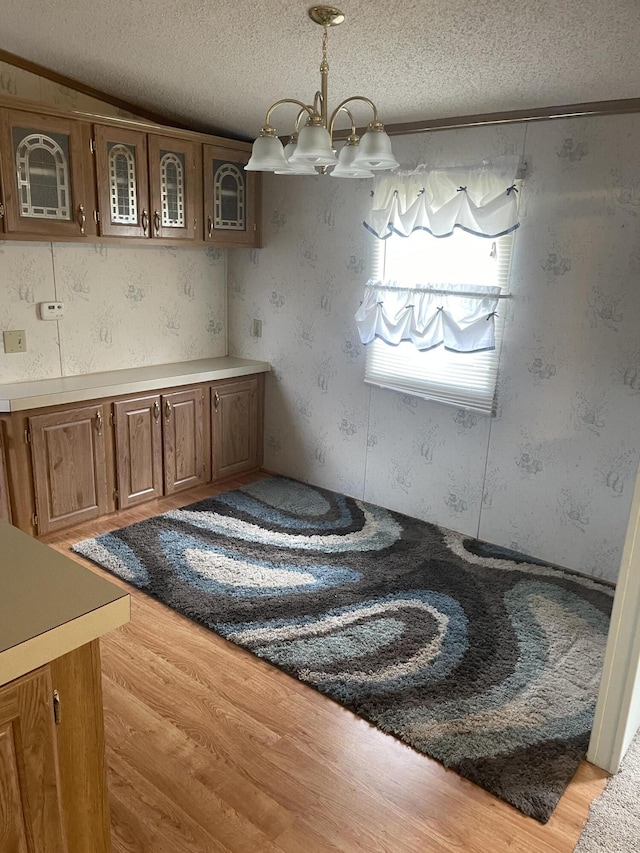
x=482, y=658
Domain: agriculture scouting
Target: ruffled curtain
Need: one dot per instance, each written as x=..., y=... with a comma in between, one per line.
x=480, y=199
x=462, y=318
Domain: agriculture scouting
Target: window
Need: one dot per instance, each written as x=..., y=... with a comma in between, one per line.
x=467, y=380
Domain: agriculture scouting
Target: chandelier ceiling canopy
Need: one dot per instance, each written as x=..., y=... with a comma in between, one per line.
x=311, y=147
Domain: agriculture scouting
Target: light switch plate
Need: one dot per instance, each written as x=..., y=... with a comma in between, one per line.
x=15, y=340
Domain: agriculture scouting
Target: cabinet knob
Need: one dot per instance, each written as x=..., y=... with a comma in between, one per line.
x=167, y=409
x=99, y=422
x=1, y=210
x=144, y=221
x=156, y=411
x=216, y=401
x=156, y=223
x=209, y=226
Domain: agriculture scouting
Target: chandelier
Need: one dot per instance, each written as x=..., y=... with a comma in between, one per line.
x=310, y=149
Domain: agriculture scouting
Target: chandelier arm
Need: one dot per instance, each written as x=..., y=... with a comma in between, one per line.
x=342, y=109
x=298, y=117
x=346, y=101
x=305, y=108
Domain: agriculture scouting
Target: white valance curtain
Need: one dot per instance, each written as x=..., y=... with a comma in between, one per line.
x=462, y=317
x=480, y=199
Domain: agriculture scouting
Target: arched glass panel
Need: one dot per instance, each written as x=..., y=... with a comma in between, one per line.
x=172, y=189
x=42, y=166
x=122, y=184
x=229, y=195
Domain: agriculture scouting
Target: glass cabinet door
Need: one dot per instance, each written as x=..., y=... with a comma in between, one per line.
x=45, y=175
x=231, y=197
x=174, y=174
x=123, y=191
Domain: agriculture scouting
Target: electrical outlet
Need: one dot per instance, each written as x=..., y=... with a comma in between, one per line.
x=15, y=340
x=256, y=329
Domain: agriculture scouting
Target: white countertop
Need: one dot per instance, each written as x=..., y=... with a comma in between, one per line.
x=49, y=604
x=18, y=396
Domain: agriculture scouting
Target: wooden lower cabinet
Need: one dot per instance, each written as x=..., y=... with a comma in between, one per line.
x=183, y=440
x=69, y=466
x=159, y=445
x=53, y=794
x=78, y=462
x=138, y=435
x=31, y=819
x=236, y=426
x=5, y=503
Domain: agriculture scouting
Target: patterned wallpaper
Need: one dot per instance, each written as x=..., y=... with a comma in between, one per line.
x=553, y=473
x=126, y=306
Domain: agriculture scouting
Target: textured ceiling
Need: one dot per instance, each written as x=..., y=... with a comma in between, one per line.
x=219, y=65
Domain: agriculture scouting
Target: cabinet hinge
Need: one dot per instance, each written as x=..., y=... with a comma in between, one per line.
x=34, y=519
x=56, y=708
x=92, y=146
x=96, y=215
x=27, y=436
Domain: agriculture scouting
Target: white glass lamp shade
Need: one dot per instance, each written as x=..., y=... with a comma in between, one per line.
x=294, y=168
x=314, y=147
x=345, y=167
x=375, y=152
x=267, y=155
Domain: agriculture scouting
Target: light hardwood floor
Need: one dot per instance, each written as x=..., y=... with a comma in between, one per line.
x=211, y=749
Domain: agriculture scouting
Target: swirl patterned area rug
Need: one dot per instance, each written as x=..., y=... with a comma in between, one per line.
x=482, y=658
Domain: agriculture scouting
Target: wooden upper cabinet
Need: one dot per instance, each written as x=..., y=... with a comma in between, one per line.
x=69, y=466
x=64, y=178
x=46, y=175
x=123, y=182
x=175, y=176
x=31, y=818
x=231, y=198
x=3, y=209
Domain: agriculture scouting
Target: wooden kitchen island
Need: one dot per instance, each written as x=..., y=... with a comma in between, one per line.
x=53, y=793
